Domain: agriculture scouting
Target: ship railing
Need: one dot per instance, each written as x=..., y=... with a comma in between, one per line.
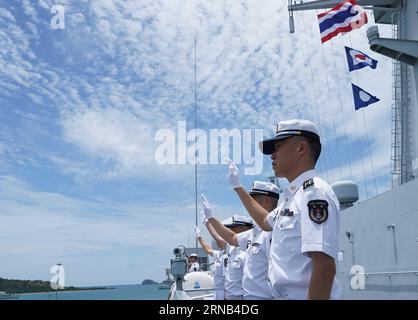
x=387, y=273
x=198, y=289
x=203, y=297
x=206, y=293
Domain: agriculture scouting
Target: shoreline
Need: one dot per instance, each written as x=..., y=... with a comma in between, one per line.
x=62, y=291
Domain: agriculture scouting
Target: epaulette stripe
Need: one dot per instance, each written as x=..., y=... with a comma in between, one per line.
x=308, y=183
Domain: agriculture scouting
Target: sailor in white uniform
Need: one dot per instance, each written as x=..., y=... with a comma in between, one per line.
x=218, y=273
x=305, y=225
x=236, y=256
x=255, y=281
x=219, y=256
x=236, y=260
x=256, y=243
x=193, y=264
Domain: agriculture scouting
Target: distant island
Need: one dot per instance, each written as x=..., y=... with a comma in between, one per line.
x=36, y=286
x=148, y=281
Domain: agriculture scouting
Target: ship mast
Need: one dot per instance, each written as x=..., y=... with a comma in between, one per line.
x=403, y=49
x=195, y=137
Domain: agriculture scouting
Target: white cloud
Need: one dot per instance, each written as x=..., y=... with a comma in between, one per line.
x=249, y=73
x=4, y=13
x=54, y=227
x=28, y=9
x=111, y=134
x=365, y=169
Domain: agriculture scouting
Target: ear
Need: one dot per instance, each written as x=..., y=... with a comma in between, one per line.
x=303, y=148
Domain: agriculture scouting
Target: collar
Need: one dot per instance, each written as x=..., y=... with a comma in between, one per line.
x=297, y=182
x=256, y=228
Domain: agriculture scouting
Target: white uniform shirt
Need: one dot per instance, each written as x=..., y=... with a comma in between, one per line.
x=307, y=220
x=194, y=267
x=255, y=282
x=218, y=271
x=234, y=271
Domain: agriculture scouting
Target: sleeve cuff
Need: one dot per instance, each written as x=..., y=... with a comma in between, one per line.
x=270, y=220
x=319, y=247
x=242, y=241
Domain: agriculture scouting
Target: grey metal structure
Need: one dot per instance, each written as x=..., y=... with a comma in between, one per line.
x=380, y=235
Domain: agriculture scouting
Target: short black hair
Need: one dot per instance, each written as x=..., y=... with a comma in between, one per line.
x=314, y=148
x=274, y=199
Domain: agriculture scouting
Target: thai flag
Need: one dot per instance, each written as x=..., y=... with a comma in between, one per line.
x=343, y=18
x=357, y=59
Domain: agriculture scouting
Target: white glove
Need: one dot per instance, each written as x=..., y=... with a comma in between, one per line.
x=204, y=219
x=206, y=207
x=233, y=174
x=197, y=231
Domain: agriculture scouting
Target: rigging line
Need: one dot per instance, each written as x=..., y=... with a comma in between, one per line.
x=370, y=152
x=339, y=163
x=342, y=111
x=315, y=98
x=360, y=153
x=195, y=137
x=315, y=94
x=367, y=134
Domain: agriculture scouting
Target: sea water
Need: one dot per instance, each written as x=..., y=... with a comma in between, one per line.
x=124, y=292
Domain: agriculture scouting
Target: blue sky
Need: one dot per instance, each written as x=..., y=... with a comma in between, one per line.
x=80, y=107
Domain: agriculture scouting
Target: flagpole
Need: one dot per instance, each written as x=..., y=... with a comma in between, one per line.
x=195, y=137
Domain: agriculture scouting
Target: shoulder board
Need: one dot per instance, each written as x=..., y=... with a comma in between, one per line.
x=308, y=183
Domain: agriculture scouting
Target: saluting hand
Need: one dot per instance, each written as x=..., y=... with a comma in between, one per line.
x=204, y=219
x=206, y=207
x=197, y=232
x=233, y=174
